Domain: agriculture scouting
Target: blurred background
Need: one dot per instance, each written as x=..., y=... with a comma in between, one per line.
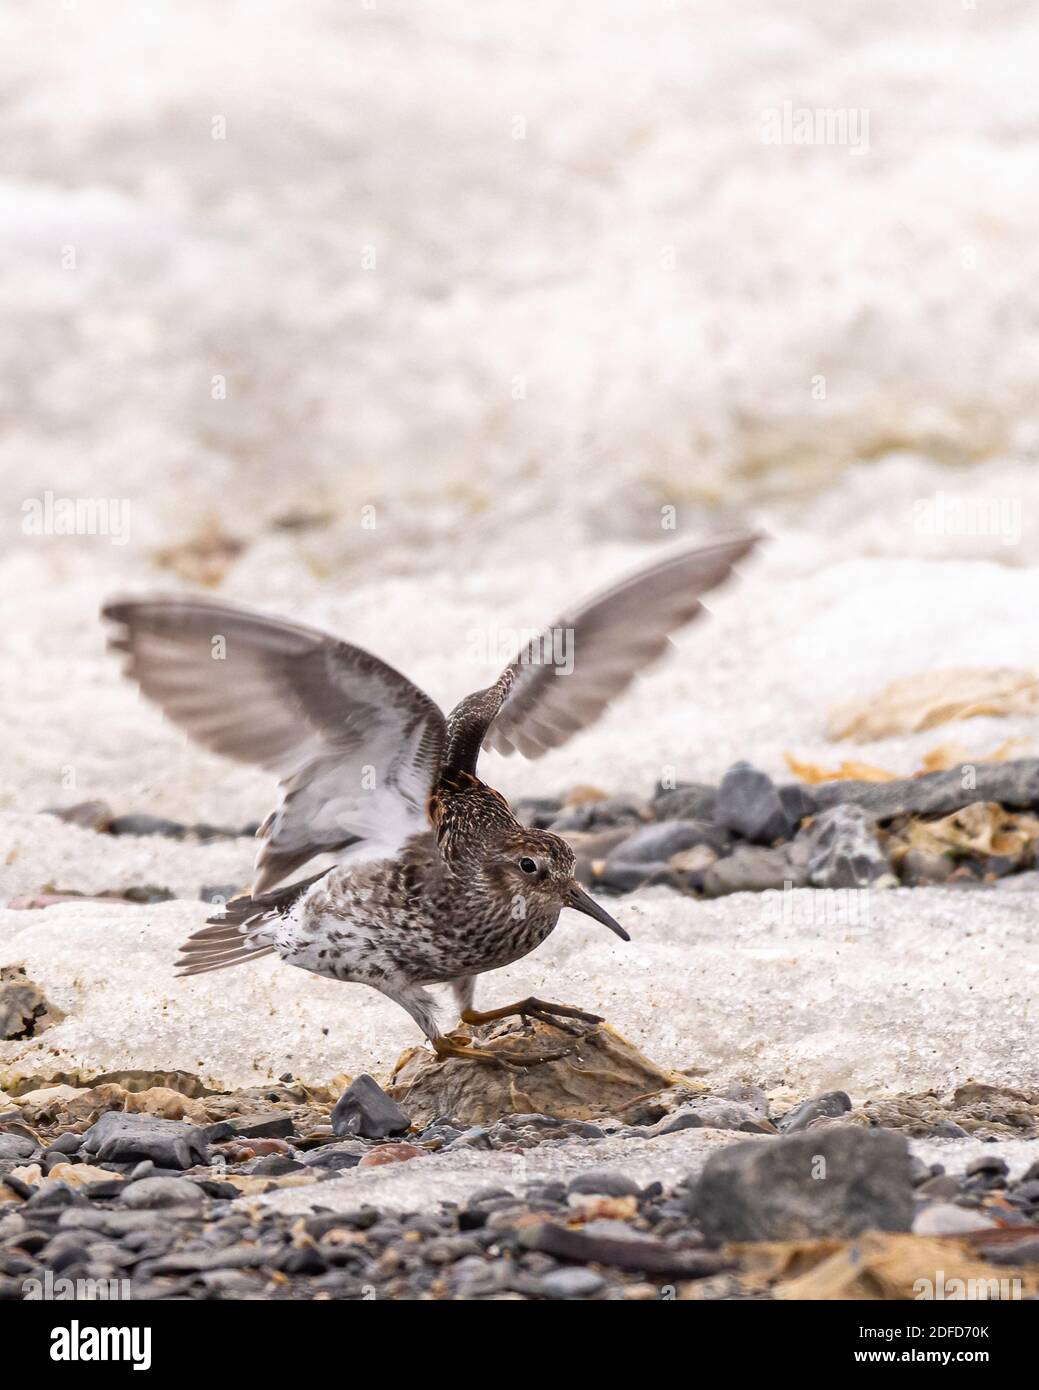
x=406, y=317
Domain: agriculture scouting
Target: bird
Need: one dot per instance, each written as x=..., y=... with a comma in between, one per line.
x=435, y=881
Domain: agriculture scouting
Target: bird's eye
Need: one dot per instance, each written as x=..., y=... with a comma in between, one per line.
x=528, y=865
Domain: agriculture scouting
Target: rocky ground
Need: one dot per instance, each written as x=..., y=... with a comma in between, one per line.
x=280, y=1192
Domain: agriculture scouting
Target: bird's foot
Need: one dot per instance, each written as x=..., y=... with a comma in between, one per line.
x=446, y=1047
x=450, y=1047
x=541, y=1009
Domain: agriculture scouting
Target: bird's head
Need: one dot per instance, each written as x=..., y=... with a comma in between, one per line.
x=536, y=868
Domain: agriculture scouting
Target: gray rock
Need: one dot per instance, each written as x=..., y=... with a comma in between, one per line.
x=1014, y=784
x=147, y=825
x=538, y=811
x=618, y=876
x=335, y=1156
x=656, y=843
x=595, y=815
x=948, y=1129
x=67, y=1143
x=603, y=1183
x=571, y=1283
x=714, y=1112
x=829, y=1104
x=834, y=1182
x=16, y=1146
x=687, y=800
x=797, y=800
x=147, y=1194
x=842, y=849
x=749, y=804
x=218, y=893
x=946, y=1219
x=753, y=869
x=671, y=1124
x=264, y=1126
x=118, y=1137
x=366, y=1110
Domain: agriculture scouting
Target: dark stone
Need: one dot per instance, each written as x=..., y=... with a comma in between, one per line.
x=831, y=1182
x=635, y=1252
x=594, y=815
x=65, y=1144
x=829, y=1104
x=217, y=1133
x=988, y=1163
x=148, y=893
x=147, y=825
x=263, y=1127
x=948, y=1129
x=1013, y=784
x=657, y=842
x=335, y=1156
x=571, y=1283
x=753, y=869
x=749, y=804
x=366, y=1110
x=152, y=1193
x=537, y=811
x=686, y=800
x=123, y=1138
x=16, y=1146
x=842, y=850
x=618, y=876
x=798, y=801
x=604, y=1183
x=220, y=893
x=273, y=1166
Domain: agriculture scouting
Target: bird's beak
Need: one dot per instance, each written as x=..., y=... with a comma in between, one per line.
x=577, y=897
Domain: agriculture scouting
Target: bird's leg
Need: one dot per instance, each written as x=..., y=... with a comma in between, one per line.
x=420, y=1005
x=530, y=1007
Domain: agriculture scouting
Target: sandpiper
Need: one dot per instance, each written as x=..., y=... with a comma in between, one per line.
x=436, y=881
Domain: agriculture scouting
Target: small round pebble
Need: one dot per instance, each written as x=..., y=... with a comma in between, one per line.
x=571, y=1283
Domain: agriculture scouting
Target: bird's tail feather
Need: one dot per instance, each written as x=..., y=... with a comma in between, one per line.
x=240, y=932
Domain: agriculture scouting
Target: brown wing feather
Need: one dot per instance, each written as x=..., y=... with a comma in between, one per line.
x=356, y=745
x=535, y=706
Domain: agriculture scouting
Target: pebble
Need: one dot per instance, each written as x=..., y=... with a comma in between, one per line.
x=16, y=1146
x=945, y=1219
x=603, y=1183
x=150, y=1193
x=753, y=869
x=749, y=804
x=618, y=876
x=571, y=1283
x=842, y=849
x=365, y=1109
x=657, y=843
x=685, y=801
x=120, y=1137
x=830, y=1103
x=146, y=825
x=829, y=1182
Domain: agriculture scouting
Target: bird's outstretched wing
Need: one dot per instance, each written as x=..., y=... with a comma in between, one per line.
x=356, y=746
x=563, y=680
